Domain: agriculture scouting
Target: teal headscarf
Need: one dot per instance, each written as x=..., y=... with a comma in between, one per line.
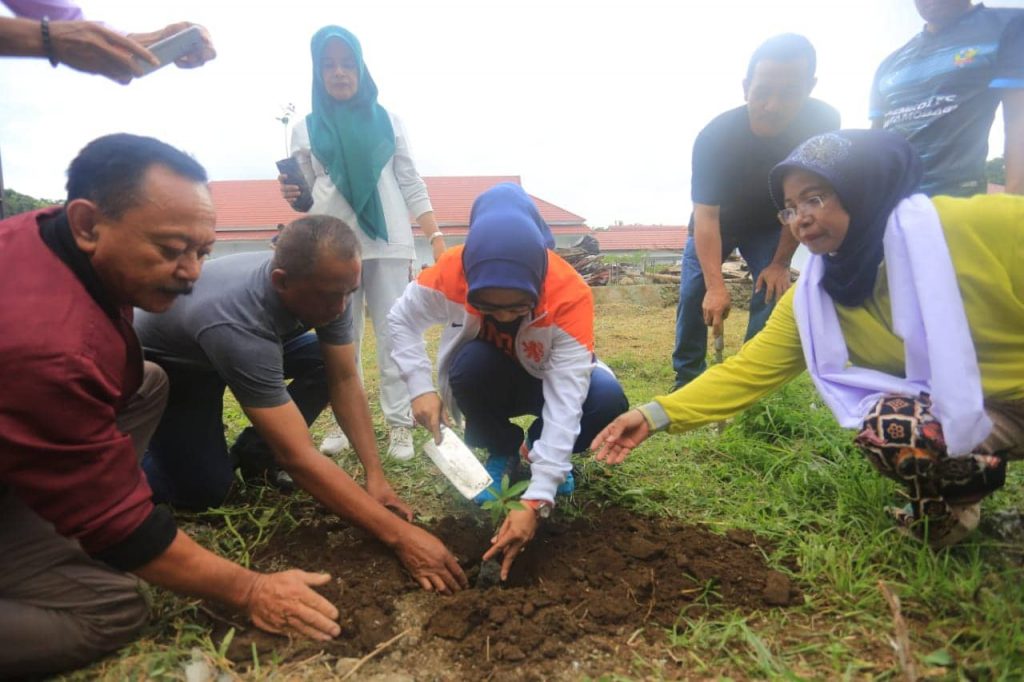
x=354, y=139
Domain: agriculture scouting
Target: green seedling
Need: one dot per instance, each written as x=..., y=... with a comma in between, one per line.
x=506, y=499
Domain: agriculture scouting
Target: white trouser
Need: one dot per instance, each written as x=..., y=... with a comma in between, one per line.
x=383, y=282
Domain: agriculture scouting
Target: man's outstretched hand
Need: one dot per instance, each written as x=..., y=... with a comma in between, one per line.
x=91, y=47
x=430, y=562
x=285, y=603
x=191, y=60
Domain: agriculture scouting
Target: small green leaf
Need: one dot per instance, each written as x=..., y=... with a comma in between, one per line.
x=941, y=658
x=222, y=650
x=514, y=505
x=504, y=482
x=518, y=488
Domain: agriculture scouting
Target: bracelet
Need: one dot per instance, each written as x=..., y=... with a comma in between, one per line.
x=434, y=236
x=44, y=29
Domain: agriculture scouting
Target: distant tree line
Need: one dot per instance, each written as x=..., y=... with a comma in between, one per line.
x=16, y=202
x=995, y=171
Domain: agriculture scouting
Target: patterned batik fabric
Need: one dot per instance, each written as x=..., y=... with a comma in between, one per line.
x=903, y=440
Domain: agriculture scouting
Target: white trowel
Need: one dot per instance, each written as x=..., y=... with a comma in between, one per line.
x=458, y=463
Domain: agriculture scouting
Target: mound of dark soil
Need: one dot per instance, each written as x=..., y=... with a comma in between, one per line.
x=582, y=590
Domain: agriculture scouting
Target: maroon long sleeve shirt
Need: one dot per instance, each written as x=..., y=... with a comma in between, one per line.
x=69, y=360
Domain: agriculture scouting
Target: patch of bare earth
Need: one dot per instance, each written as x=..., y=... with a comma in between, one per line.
x=585, y=597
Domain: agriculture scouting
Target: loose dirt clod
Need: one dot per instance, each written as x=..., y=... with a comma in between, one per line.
x=489, y=575
x=776, y=589
x=579, y=592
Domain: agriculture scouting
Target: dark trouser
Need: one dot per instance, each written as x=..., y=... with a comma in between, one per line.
x=188, y=464
x=490, y=388
x=689, y=359
x=60, y=609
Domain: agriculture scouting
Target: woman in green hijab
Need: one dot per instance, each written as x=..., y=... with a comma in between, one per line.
x=355, y=157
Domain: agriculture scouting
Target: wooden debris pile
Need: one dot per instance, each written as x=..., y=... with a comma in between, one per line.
x=585, y=256
x=734, y=271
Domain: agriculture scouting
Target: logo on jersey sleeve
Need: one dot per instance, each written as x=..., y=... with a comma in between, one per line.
x=965, y=57
x=533, y=350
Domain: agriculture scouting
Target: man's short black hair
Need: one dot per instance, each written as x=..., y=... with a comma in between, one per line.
x=787, y=47
x=109, y=170
x=301, y=243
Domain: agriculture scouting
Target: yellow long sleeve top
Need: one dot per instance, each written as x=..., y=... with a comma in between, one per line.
x=985, y=235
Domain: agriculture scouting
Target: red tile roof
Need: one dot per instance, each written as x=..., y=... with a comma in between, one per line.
x=453, y=196
x=250, y=204
x=642, y=238
x=252, y=209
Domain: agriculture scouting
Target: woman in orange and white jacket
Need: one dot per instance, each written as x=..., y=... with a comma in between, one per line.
x=518, y=339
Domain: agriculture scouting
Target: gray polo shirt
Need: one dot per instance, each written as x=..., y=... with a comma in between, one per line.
x=234, y=324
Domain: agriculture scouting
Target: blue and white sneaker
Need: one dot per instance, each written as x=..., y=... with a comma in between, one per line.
x=568, y=486
x=496, y=467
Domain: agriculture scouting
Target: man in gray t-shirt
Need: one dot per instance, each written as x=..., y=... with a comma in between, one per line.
x=245, y=326
x=235, y=324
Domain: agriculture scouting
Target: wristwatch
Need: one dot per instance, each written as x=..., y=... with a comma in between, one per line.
x=541, y=507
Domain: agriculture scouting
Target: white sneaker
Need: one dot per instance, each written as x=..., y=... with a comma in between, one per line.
x=334, y=443
x=400, y=445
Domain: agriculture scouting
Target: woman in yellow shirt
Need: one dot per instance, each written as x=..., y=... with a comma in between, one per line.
x=909, y=318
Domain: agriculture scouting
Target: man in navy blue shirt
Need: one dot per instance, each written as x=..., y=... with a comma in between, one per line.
x=732, y=207
x=941, y=91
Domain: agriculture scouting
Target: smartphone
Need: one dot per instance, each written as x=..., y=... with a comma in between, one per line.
x=289, y=168
x=172, y=47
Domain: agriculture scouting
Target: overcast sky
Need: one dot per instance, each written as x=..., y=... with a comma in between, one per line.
x=594, y=103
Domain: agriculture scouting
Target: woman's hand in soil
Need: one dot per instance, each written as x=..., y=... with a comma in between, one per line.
x=618, y=439
x=430, y=562
x=429, y=412
x=285, y=603
x=380, y=490
x=516, y=531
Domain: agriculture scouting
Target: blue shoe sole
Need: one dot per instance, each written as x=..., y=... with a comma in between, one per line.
x=568, y=486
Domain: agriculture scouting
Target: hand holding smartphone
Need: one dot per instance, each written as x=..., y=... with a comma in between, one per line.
x=289, y=168
x=172, y=48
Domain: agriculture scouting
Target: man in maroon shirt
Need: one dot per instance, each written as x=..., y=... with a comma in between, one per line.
x=78, y=406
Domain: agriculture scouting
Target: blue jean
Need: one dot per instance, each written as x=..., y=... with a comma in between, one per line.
x=490, y=388
x=689, y=359
x=188, y=464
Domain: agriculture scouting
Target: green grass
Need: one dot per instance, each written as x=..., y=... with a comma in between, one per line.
x=783, y=470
